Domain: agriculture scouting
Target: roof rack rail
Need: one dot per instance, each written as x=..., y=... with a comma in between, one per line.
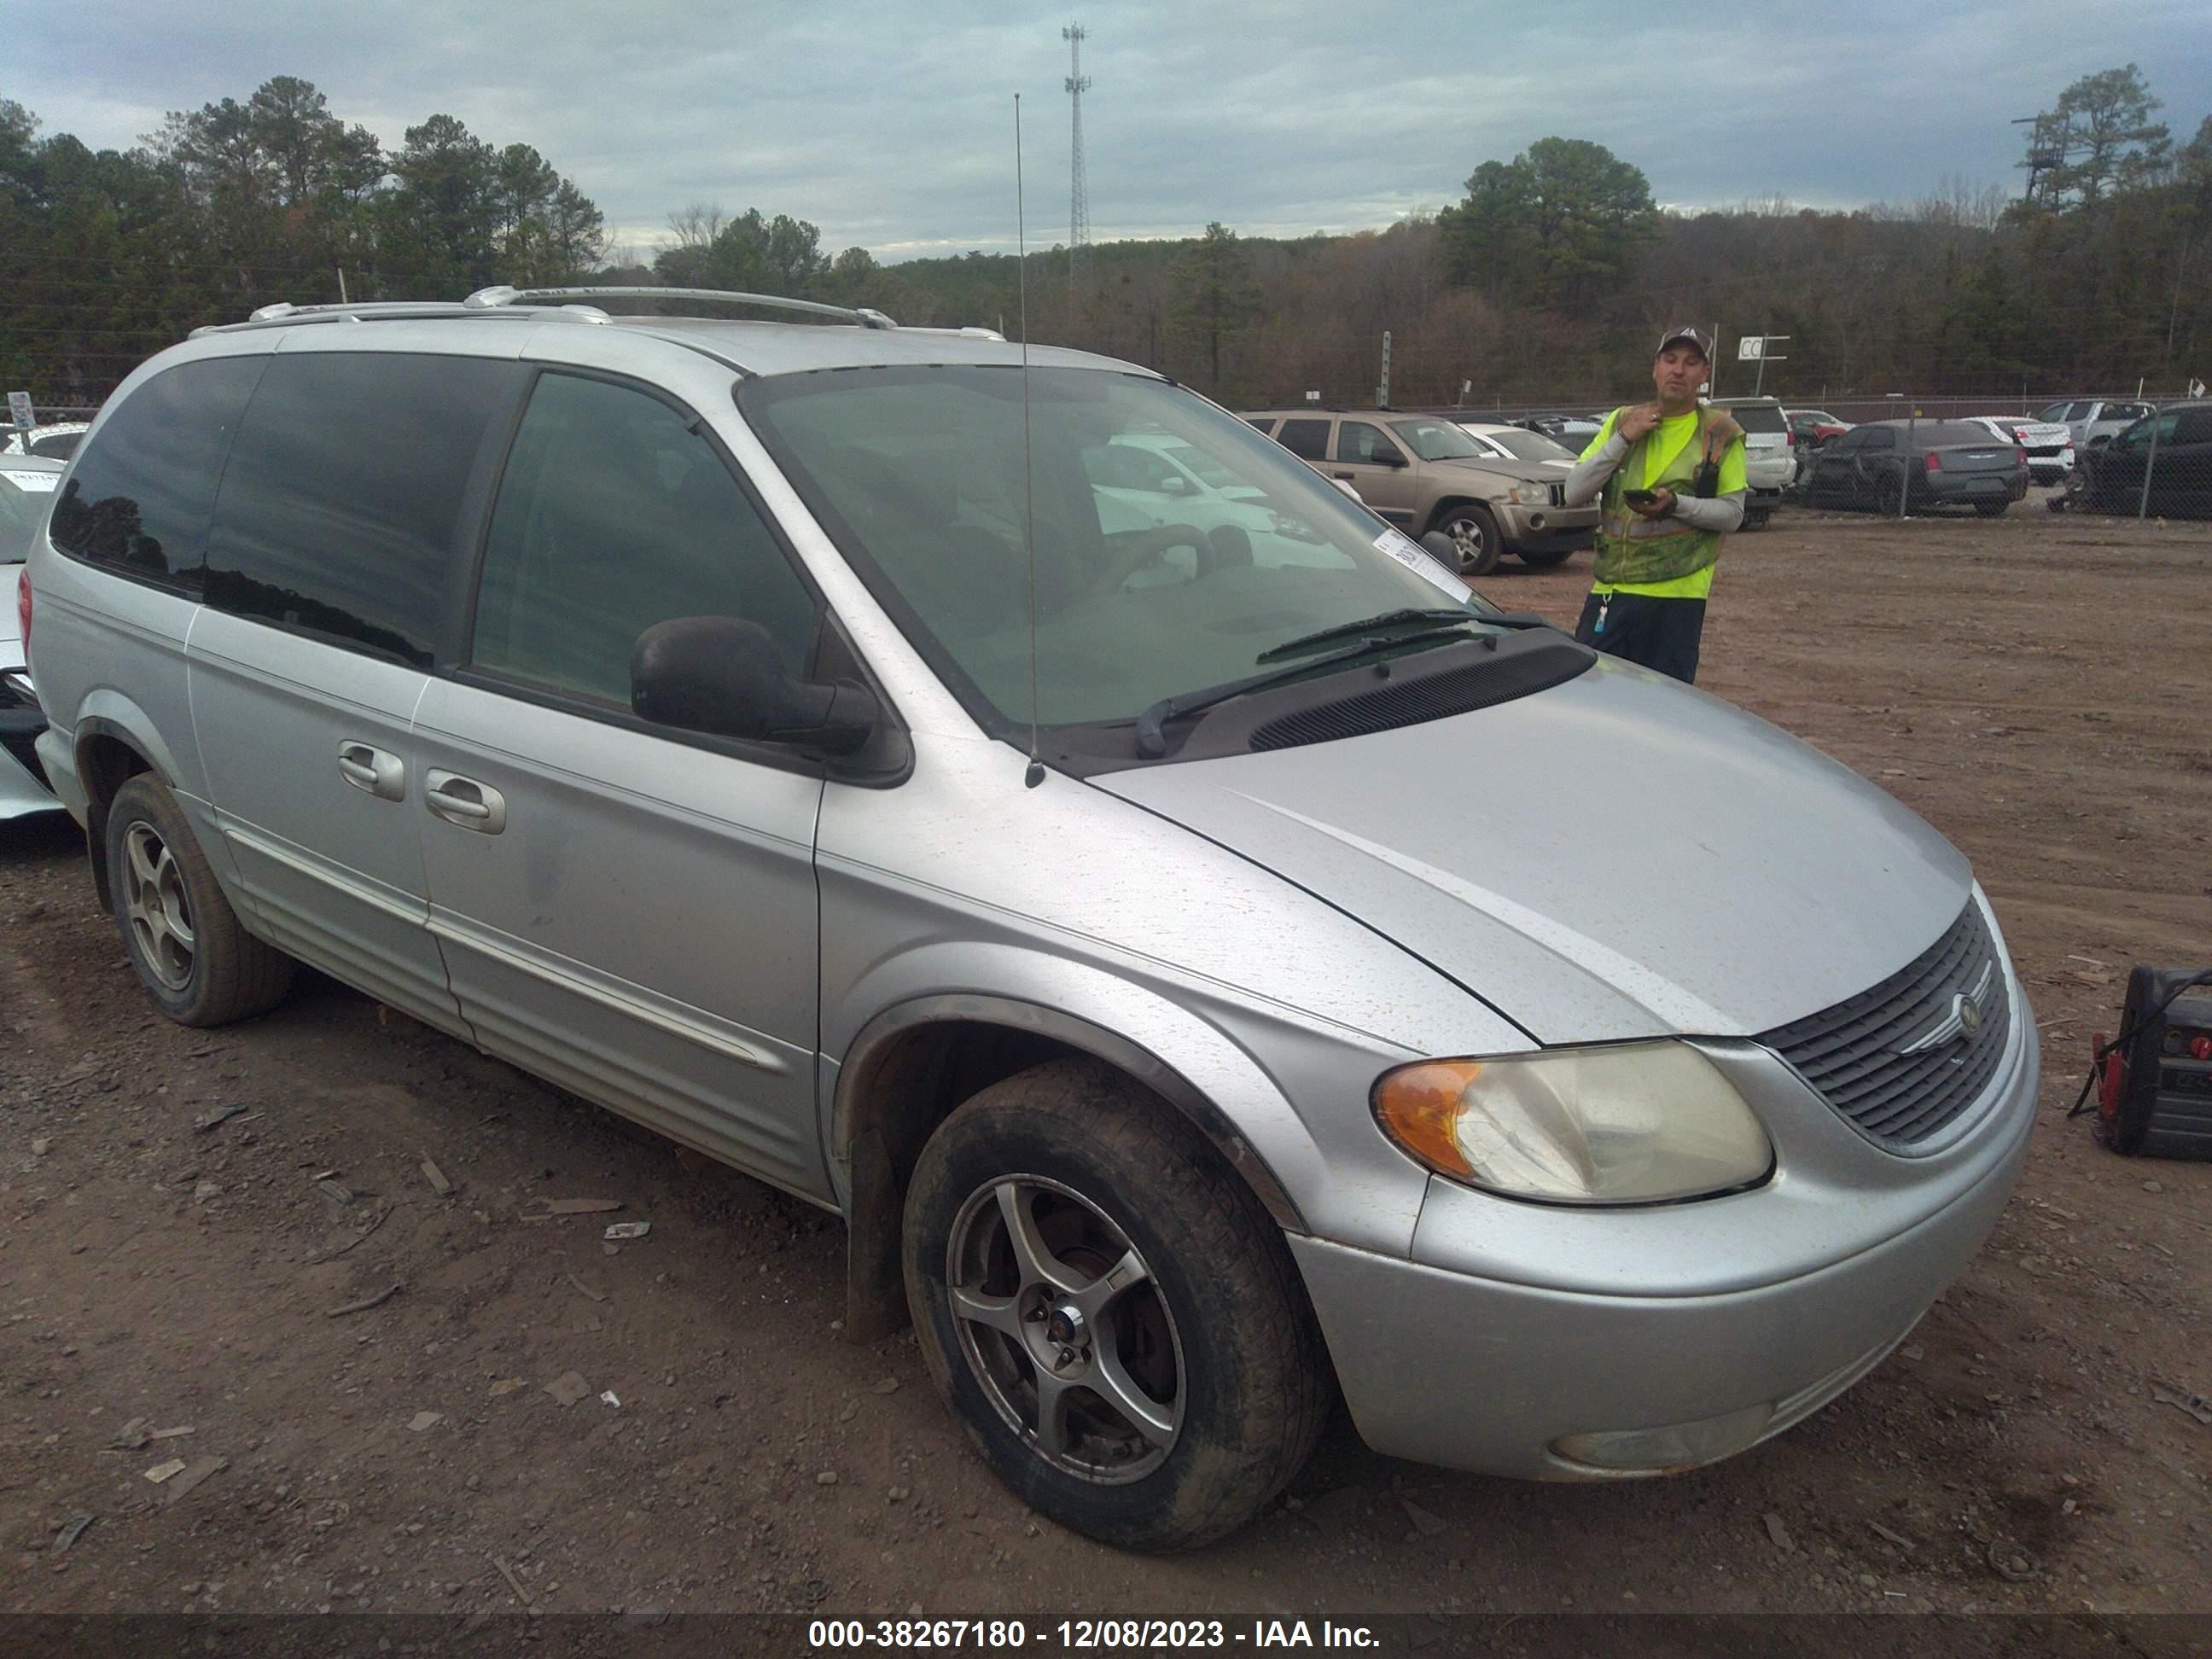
x=485, y=298
x=389, y=311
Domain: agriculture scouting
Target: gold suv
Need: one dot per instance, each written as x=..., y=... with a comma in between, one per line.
x=1424, y=474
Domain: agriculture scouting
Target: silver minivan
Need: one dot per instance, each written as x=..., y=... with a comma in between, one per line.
x=1211, y=968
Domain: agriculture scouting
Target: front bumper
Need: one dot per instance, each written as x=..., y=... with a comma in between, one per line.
x=1701, y=1354
x=1545, y=529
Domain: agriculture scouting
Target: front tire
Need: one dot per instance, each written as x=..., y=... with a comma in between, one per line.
x=1545, y=559
x=1471, y=533
x=1110, y=1312
x=191, y=953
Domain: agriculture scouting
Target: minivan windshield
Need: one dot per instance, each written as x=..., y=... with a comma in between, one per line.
x=1144, y=592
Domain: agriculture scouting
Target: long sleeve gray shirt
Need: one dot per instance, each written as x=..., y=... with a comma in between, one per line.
x=1720, y=513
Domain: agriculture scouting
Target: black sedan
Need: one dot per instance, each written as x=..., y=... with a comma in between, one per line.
x=1926, y=464
x=2178, y=465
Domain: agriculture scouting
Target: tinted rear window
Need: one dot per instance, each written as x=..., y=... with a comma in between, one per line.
x=140, y=499
x=1761, y=417
x=341, y=511
x=1940, y=434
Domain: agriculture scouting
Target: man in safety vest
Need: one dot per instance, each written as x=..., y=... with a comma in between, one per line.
x=1670, y=475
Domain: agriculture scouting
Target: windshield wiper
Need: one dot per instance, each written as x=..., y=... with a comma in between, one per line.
x=1388, y=619
x=1152, y=738
x=1395, y=619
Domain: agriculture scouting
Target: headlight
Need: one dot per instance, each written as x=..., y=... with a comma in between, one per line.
x=1624, y=1123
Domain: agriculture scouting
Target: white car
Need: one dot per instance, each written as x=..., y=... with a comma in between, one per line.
x=2049, y=444
x=1518, y=443
x=55, y=442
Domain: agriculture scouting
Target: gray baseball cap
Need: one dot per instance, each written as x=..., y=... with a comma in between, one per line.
x=1696, y=335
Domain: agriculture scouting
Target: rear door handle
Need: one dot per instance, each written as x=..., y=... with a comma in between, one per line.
x=465, y=802
x=373, y=771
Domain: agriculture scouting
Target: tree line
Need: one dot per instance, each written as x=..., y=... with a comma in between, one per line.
x=107, y=256
x=1547, y=281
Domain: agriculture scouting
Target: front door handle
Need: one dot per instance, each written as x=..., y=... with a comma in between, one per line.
x=373, y=771
x=1346, y=476
x=465, y=802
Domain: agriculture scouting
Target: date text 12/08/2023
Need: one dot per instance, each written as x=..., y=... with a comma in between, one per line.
x=987, y=1634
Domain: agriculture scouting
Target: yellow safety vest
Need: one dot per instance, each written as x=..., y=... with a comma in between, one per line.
x=1634, y=550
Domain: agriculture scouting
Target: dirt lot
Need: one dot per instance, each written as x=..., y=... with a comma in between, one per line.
x=2036, y=686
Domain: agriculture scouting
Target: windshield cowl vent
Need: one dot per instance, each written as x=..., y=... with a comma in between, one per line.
x=1520, y=667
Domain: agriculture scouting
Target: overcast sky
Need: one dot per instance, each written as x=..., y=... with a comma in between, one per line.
x=892, y=127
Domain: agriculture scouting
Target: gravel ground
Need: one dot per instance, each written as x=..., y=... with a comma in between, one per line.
x=2034, y=685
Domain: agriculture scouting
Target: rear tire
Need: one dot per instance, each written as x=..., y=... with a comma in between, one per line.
x=1161, y=1412
x=191, y=953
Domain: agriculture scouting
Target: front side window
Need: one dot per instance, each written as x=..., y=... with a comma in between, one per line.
x=1360, y=443
x=341, y=512
x=141, y=497
x=2144, y=433
x=614, y=514
x=917, y=475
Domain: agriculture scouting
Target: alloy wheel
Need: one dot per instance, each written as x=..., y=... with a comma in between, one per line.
x=1064, y=1325
x=154, y=900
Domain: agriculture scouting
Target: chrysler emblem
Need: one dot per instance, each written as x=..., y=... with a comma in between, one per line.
x=1961, y=1021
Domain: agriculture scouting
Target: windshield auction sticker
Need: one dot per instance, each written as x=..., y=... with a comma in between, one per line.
x=1418, y=559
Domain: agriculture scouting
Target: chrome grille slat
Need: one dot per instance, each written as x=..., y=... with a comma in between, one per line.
x=1850, y=1053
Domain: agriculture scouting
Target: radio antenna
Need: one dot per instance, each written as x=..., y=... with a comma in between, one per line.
x=1034, y=775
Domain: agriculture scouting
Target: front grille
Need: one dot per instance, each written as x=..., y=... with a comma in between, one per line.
x=1558, y=494
x=1855, y=1053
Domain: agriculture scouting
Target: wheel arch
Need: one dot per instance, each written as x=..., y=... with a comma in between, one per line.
x=913, y=1063
x=111, y=750
x=1446, y=506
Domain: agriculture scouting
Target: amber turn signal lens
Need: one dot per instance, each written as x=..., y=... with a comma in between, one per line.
x=1420, y=1106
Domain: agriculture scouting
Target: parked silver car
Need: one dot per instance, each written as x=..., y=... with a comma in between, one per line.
x=1197, y=994
x=2086, y=419
x=1770, y=454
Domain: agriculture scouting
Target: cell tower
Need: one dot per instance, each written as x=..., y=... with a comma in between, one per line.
x=1079, y=194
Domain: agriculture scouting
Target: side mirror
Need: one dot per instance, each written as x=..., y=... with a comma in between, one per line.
x=724, y=675
x=1386, y=458
x=1174, y=483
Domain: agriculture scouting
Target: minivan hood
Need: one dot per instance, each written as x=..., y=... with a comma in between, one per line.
x=1616, y=857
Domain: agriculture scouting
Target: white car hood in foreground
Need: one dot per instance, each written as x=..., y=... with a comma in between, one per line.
x=1615, y=857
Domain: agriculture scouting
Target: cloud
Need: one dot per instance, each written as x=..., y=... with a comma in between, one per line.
x=892, y=128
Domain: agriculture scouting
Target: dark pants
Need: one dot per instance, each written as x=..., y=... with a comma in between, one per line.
x=1660, y=634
